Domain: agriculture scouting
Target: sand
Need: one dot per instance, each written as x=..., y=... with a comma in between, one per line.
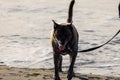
x=25, y=27
x=12, y=73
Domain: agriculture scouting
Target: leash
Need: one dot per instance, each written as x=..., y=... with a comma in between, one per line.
x=94, y=48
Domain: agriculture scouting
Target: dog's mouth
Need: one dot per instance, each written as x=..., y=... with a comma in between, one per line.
x=61, y=48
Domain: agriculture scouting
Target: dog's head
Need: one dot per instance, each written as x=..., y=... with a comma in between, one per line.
x=62, y=34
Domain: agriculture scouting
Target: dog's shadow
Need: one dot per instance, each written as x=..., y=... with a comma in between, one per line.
x=80, y=77
x=83, y=78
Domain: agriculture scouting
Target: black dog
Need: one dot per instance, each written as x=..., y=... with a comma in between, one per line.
x=65, y=41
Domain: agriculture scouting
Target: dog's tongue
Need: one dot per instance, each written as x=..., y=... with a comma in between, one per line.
x=61, y=48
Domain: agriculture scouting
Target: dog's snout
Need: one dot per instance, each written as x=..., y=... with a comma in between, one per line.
x=61, y=43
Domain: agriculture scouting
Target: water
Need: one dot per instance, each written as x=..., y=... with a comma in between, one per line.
x=25, y=27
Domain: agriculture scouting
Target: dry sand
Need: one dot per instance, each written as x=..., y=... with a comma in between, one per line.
x=11, y=73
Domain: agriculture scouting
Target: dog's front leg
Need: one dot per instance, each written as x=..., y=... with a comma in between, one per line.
x=56, y=57
x=70, y=71
x=60, y=64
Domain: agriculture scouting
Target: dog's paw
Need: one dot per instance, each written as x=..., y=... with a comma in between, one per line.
x=57, y=78
x=70, y=75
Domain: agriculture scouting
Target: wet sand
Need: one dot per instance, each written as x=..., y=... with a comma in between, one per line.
x=12, y=73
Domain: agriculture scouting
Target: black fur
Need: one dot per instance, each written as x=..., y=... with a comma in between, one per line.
x=70, y=13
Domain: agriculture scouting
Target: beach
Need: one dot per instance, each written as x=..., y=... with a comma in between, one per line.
x=25, y=45
x=12, y=73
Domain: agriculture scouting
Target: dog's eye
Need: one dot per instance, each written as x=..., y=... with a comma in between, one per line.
x=58, y=35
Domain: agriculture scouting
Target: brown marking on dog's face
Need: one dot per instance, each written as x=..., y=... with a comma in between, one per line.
x=62, y=34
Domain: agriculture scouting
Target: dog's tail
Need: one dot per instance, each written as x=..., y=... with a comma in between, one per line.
x=94, y=48
x=70, y=12
x=119, y=9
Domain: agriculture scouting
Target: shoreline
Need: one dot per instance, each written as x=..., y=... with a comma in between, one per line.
x=13, y=73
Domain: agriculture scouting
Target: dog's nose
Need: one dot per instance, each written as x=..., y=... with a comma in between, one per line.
x=62, y=43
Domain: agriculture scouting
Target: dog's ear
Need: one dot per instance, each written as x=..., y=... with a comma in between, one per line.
x=55, y=24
